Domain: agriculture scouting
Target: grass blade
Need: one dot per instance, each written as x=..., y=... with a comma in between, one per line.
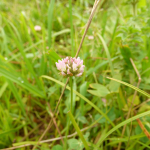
x=3, y=88
x=17, y=96
x=18, y=41
x=22, y=82
x=50, y=18
x=122, y=124
x=107, y=53
x=78, y=130
x=131, y=86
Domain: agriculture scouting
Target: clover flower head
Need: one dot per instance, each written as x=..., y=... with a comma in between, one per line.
x=37, y=28
x=70, y=66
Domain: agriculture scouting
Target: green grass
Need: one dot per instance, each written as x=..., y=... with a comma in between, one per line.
x=29, y=78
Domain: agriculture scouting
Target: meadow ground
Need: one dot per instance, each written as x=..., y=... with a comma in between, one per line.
x=107, y=108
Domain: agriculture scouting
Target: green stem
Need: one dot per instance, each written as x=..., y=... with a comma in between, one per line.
x=68, y=119
x=67, y=131
x=78, y=130
x=71, y=104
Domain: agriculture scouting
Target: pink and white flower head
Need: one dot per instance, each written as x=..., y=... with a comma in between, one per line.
x=70, y=66
x=37, y=28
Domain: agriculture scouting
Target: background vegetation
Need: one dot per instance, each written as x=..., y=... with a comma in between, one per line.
x=117, y=45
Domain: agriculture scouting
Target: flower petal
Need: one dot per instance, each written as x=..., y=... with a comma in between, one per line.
x=79, y=74
x=74, y=66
